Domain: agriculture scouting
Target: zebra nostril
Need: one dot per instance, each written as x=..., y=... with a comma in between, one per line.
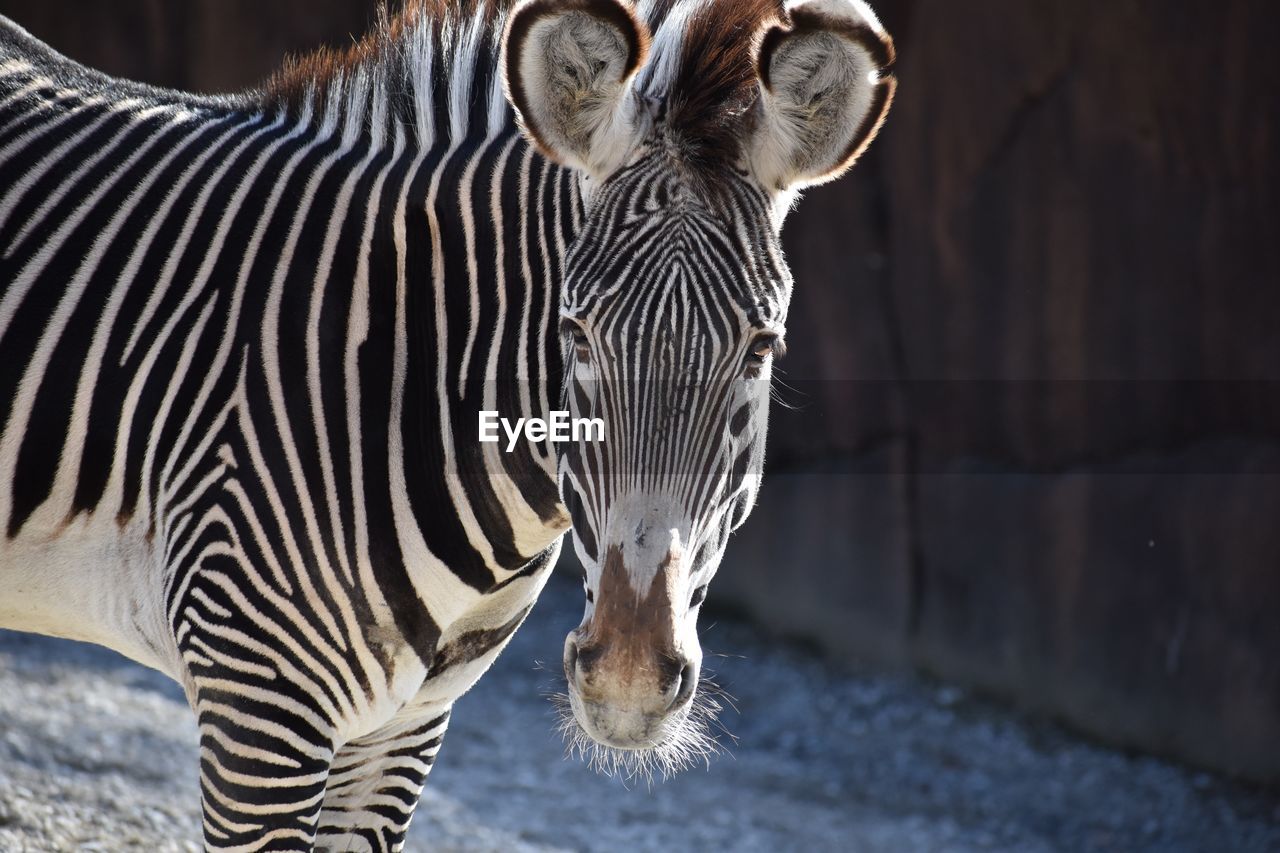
x=687, y=684
x=579, y=661
x=571, y=661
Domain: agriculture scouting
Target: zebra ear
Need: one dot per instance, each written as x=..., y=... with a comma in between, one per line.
x=824, y=92
x=569, y=65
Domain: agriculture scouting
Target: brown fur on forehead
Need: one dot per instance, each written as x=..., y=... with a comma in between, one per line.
x=710, y=99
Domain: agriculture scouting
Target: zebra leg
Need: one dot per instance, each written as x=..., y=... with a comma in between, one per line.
x=269, y=723
x=375, y=784
x=261, y=780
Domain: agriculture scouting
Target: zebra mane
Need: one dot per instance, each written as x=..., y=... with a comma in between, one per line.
x=432, y=68
x=427, y=69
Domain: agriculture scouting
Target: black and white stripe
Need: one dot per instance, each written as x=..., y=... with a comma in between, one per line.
x=667, y=370
x=244, y=344
x=238, y=345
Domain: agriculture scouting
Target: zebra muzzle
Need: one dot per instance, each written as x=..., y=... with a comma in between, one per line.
x=628, y=674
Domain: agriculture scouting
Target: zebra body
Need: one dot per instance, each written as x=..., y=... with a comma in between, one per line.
x=244, y=342
x=193, y=326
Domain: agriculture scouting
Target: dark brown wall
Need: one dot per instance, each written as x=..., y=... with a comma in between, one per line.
x=1055, y=286
x=1033, y=352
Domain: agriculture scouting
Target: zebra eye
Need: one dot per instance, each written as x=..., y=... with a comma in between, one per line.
x=699, y=596
x=574, y=330
x=761, y=348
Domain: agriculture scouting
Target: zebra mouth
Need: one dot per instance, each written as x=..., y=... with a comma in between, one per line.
x=677, y=742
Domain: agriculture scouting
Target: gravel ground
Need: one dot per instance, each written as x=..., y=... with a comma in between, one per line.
x=97, y=753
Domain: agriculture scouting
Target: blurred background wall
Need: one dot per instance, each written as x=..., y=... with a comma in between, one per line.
x=1035, y=354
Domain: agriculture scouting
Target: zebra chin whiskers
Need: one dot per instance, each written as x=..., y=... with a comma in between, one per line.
x=691, y=738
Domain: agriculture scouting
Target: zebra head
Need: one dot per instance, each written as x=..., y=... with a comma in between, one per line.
x=690, y=124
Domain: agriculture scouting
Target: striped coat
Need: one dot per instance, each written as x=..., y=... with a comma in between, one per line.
x=245, y=342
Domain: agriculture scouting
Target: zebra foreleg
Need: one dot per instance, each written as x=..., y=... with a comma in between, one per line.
x=269, y=712
x=262, y=781
x=375, y=784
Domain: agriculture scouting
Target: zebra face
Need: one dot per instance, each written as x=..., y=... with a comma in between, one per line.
x=673, y=311
x=690, y=124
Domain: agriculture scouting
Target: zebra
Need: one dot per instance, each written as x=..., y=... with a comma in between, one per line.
x=245, y=341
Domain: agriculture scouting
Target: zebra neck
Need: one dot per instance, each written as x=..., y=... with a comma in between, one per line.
x=465, y=257
x=478, y=237
x=473, y=226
